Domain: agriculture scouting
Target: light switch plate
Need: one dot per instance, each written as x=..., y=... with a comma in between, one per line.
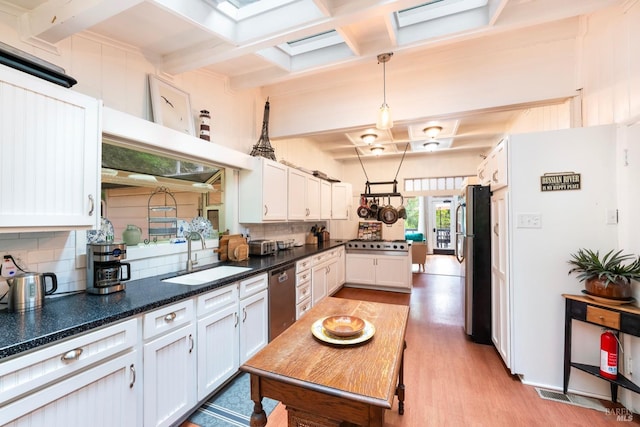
x=529, y=220
x=612, y=216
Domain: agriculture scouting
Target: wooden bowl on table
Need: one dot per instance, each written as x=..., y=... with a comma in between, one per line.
x=343, y=326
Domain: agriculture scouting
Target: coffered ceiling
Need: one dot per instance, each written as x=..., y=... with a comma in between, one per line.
x=256, y=43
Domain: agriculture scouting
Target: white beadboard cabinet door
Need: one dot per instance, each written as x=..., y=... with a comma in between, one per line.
x=169, y=377
x=254, y=324
x=103, y=396
x=218, y=349
x=49, y=155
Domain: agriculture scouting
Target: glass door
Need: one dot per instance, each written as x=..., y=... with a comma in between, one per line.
x=442, y=226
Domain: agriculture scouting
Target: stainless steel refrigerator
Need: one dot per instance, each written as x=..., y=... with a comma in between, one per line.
x=473, y=249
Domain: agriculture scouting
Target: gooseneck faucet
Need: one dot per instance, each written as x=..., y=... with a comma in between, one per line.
x=189, y=238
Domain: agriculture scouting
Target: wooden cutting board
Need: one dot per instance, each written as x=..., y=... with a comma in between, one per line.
x=241, y=252
x=234, y=242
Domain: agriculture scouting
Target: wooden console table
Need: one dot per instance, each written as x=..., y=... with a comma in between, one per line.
x=618, y=318
x=330, y=386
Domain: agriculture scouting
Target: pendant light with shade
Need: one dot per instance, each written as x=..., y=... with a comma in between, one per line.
x=385, y=121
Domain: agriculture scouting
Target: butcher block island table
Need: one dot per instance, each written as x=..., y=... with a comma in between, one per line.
x=330, y=385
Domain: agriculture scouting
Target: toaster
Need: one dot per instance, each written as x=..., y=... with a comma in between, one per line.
x=262, y=247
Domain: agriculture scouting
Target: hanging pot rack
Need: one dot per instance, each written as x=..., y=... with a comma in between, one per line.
x=367, y=186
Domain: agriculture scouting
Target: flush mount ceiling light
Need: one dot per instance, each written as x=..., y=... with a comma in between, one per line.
x=368, y=138
x=385, y=121
x=377, y=149
x=431, y=145
x=432, y=131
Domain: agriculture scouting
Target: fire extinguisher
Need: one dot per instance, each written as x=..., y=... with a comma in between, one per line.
x=609, y=355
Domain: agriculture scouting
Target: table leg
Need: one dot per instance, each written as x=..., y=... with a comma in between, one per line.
x=258, y=417
x=614, y=392
x=400, y=388
x=567, y=345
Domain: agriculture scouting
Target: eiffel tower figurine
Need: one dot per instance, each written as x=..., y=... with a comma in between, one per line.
x=263, y=146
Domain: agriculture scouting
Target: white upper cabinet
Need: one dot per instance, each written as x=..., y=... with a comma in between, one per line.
x=49, y=155
x=263, y=192
x=325, y=199
x=304, y=196
x=340, y=200
x=493, y=170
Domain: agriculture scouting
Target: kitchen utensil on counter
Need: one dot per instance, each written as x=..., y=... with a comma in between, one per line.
x=27, y=290
x=233, y=249
x=105, y=268
x=132, y=235
x=262, y=247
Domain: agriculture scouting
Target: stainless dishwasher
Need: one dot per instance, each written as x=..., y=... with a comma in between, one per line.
x=282, y=299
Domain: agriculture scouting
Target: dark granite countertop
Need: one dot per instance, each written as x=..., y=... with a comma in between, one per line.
x=67, y=316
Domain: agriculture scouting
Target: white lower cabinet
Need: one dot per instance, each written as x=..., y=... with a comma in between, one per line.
x=170, y=377
x=327, y=274
x=90, y=379
x=303, y=286
x=388, y=272
x=218, y=338
x=254, y=316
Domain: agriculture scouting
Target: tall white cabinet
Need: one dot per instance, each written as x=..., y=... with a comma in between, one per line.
x=500, y=292
x=49, y=155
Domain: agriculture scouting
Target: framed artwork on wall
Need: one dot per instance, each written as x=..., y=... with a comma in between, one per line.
x=171, y=107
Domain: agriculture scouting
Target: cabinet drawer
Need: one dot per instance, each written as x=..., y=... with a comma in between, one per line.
x=303, y=277
x=253, y=285
x=303, y=291
x=302, y=308
x=167, y=318
x=604, y=317
x=216, y=300
x=303, y=264
x=41, y=367
x=320, y=258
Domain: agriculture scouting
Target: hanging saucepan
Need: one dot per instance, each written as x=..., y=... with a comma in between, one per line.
x=363, y=209
x=374, y=208
x=402, y=212
x=388, y=214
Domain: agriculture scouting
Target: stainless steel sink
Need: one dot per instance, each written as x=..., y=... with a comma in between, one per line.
x=205, y=276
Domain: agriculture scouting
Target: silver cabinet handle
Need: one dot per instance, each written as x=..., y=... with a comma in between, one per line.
x=495, y=176
x=170, y=317
x=266, y=210
x=71, y=355
x=235, y=315
x=133, y=376
x=495, y=229
x=191, y=342
x=92, y=205
x=244, y=314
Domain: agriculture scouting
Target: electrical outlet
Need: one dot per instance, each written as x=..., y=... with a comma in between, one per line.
x=611, y=216
x=529, y=220
x=19, y=256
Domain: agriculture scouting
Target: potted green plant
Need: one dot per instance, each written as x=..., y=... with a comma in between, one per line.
x=608, y=276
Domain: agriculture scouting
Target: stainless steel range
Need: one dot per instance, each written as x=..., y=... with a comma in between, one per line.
x=388, y=247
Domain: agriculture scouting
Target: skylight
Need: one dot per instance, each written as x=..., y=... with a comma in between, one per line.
x=435, y=9
x=243, y=9
x=311, y=43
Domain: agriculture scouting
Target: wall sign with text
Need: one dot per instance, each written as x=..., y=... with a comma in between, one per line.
x=560, y=181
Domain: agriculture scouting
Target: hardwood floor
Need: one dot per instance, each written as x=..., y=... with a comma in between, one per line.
x=451, y=381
